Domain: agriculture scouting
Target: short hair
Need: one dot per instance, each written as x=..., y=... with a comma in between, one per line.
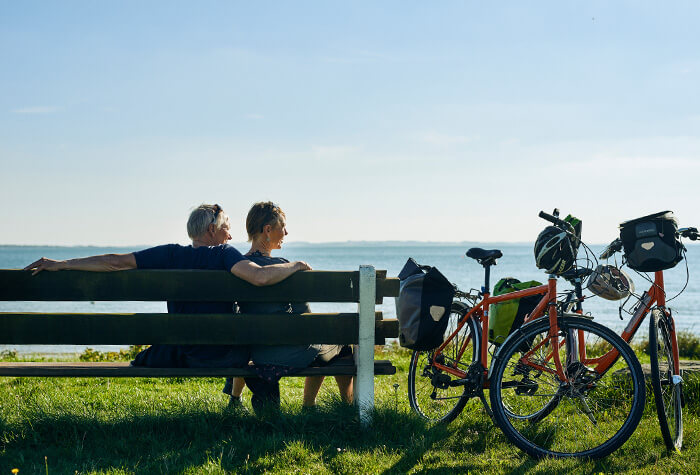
x=260, y=215
x=204, y=215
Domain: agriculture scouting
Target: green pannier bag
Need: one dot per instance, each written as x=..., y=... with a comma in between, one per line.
x=506, y=317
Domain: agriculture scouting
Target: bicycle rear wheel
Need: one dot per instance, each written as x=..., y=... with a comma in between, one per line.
x=667, y=393
x=588, y=413
x=429, y=391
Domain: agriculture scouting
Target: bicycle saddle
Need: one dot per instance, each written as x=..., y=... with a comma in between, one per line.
x=483, y=256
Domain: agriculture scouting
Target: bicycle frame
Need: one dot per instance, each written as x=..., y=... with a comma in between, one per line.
x=655, y=295
x=480, y=312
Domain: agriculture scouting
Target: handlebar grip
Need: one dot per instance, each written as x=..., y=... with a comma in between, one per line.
x=560, y=223
x=690, y=233
x=550, y=218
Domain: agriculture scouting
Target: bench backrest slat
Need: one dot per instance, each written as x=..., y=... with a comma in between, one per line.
x=214, y=329
x=183, y=285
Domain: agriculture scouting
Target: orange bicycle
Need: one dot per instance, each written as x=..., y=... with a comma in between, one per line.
x=666, y=380
x=561, y=385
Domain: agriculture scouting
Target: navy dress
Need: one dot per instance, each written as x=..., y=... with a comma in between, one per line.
x=274, y=361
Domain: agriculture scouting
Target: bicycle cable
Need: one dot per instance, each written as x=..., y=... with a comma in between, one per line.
x=590, y=263
x=638, y=297
x=687, y=276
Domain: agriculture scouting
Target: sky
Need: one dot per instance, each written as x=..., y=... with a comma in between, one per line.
x=363, y=120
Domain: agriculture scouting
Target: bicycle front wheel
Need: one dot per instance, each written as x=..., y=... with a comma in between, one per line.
x=589, y=412
x=667, y=392
x=430, y=392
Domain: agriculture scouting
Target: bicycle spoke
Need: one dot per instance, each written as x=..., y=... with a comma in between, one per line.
x=584, y=414
x=429, y=390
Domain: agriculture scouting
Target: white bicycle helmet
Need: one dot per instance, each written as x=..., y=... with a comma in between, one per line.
x=554, y=251
x=610, y=283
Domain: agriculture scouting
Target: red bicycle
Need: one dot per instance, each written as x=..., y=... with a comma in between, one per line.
x=561, y=385
x=666, y=380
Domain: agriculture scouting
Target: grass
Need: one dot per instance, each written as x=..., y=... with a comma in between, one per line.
x=688, y=345
x=180, y=425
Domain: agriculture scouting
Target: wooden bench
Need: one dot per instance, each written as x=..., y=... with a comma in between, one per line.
x=365, y=328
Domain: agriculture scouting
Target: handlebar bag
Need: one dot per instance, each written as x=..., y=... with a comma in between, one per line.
x=651, y=242
x=423, y=306
x=506, y=317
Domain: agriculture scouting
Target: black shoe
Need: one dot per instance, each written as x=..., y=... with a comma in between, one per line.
x=308, y=410
x=265, y=406
x=236, y=405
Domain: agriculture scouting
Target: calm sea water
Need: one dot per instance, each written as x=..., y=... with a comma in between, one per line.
x=517, y=261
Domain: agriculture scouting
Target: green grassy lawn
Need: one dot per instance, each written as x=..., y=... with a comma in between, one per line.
x=115, y=425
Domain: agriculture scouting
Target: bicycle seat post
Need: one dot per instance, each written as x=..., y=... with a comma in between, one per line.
x=486, y=289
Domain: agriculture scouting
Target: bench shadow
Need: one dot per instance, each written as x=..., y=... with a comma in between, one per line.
x=175, y=443
x=474, y=441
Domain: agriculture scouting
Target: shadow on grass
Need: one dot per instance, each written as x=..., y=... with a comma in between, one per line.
x=466, y=441
x=197, y=439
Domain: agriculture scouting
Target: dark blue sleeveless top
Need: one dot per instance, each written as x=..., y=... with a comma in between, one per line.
x=271, y=307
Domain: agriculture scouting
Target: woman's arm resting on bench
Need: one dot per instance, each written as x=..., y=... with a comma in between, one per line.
x=266, y=275
x=104, y=263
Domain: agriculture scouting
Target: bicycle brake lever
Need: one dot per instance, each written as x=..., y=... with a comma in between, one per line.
x=612, y=248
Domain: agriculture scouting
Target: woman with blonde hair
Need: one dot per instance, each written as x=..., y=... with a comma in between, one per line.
x=266, y=228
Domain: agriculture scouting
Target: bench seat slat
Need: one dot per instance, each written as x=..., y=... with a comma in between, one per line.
x=124, y=370
x=193, y=329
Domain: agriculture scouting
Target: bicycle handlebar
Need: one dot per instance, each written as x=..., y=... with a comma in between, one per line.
x=560, y=223
x=551, y=219
x=690, y=233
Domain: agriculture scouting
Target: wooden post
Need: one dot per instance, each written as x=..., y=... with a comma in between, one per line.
x=364, y=351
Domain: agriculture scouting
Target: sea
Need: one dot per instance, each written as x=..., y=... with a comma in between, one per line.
x=682, y=282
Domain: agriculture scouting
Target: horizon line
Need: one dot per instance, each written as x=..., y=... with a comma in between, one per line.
x=302, y=243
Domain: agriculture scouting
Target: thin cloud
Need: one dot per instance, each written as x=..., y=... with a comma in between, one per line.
x=36, y=110
x=445, y=140
x=333, y=151
x=632, y=162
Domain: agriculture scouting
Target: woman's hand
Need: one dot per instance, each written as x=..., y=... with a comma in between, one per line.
x=301, y=265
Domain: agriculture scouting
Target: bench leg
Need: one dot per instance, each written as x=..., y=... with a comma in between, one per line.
x=364, y=351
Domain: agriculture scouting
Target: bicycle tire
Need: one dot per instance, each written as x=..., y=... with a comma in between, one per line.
x=428, y=393
x=594, y=414
x=667, y=395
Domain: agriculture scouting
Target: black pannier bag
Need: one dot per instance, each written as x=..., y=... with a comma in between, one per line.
x=423, y=307
x=651, y=243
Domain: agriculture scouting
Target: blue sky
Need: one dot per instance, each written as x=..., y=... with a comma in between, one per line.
x=436, y=121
